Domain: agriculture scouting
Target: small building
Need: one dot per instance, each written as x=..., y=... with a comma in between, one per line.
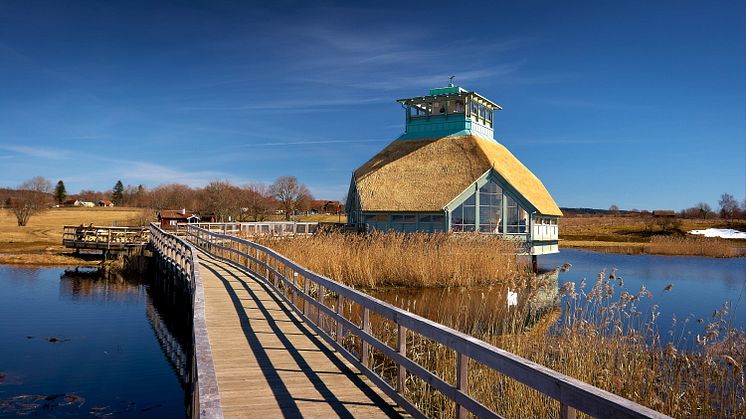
x=87, y=204
x=447, y=173
x=170, y=218
x=71, y=203
x=320, y=206
x=105, y=203
x=664, y=214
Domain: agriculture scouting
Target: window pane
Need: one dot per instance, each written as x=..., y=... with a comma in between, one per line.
x=469, y=215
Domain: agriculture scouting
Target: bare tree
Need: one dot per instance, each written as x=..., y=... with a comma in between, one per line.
x=703, y=209
x=32, y=197
x=257, y=201
x=221, y=199
x=728, y=206
x=614, y=209
x=172, y=196
x=290, y=194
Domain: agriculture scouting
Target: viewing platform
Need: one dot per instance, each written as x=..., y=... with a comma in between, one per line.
x=128, y=240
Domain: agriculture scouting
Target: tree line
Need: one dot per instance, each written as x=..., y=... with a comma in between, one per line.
x=219, y=198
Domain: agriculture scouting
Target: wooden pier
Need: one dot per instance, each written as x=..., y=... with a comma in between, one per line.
x=275, y=339
x=106, y=239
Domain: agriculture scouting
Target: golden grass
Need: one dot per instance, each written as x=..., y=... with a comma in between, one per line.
x=40, y=242
x=693, y=246
x=634, y=234
x=602, y=339
x=413, y=260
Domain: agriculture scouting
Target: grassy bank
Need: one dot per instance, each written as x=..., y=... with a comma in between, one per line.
x=40, y=242
x=413, y=260
x=636, y=234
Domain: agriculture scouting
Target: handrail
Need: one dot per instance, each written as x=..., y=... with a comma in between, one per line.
x=108, y=237
x=183, y=260
x=274, y=228
x=266, y=264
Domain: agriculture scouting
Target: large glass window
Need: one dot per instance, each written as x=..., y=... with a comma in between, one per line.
x=490, y=208
x=516, y=216
x=463, y=218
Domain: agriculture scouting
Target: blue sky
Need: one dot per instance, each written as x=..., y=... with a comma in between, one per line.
x=639, y=104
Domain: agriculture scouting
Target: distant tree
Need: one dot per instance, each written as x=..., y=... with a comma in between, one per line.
x=32, y=197
x=221, y=199
x=257, y=201
x=290, y=194
x=117, y=194
x=614, y=209
x=60, y=193
x=171, y=196
x=703, y=210
x=728, y=206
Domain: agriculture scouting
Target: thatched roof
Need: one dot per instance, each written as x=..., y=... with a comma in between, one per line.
x=425, y=175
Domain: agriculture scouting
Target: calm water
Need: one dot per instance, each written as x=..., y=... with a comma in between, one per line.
x=700, y=286
x=81, y=345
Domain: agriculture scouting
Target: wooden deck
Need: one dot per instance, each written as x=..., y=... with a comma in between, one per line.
x=269, y=363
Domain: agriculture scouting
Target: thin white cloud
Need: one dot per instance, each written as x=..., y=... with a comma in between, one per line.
x=38, y=152
x=315, y=142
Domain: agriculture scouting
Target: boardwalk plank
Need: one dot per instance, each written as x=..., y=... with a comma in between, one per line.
x=268, y=363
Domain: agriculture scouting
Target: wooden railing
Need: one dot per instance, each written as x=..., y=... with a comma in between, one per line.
x=303, y=290
x=180, y=258
x=104, y=238
x=268, y=228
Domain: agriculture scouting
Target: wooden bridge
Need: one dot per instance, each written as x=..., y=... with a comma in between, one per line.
x=275, y=339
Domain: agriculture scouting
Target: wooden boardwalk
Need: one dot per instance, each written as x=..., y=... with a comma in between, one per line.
x=269, y=363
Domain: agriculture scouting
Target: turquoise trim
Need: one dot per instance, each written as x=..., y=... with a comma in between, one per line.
x=446, y=90
x=434, y=134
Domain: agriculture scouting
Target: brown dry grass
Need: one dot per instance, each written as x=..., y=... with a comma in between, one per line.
x=627, y=358
x=693, y=246
x=412, y=260
x=634, y=234
x=40, y=242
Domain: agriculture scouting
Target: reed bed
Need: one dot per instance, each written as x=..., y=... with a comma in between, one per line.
x=693, y=246
x=414, y=260
x=602, y=338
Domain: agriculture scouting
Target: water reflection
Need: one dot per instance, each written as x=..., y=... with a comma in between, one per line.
x=81, y=344
x=95, y=286
x=480, y=311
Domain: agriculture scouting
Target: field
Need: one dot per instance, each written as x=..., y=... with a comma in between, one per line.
x=635, y=234
x=40, y=242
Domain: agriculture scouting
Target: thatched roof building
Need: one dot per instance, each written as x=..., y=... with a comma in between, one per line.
x=447, y=173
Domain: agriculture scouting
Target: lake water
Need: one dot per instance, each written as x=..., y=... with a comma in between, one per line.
x=81, y=345
x=699, y=287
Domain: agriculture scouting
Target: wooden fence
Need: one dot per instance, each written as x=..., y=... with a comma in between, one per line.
x=303, y=290
x=268, y=228
x=180, y=258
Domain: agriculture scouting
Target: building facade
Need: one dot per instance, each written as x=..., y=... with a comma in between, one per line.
x=447, y=173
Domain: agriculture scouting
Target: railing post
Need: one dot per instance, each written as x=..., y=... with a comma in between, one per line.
x=402, y=349
x=306, y=290
x=462, y=381
x=340, y=313
x=365, y=345
x=567, y=412
x=320, y=299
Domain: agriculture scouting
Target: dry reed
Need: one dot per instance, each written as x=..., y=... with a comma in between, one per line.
x=692, y=246
x=604, y=339
x=413, y=260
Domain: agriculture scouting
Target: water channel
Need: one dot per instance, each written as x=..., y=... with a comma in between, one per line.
x=79, y=344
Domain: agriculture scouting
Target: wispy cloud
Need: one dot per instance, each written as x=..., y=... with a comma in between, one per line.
x=37, y=152
x=315, y=142
x=306, y=105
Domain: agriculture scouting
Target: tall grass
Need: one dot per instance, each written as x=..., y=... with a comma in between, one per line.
x=603, y=337
x=414, y=260
x=693, y=246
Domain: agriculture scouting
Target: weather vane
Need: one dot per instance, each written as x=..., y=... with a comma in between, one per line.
x=450, y=79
